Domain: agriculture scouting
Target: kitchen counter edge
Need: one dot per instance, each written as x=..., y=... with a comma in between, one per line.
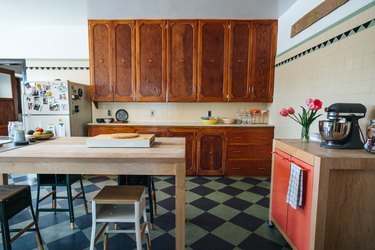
x=181, y=124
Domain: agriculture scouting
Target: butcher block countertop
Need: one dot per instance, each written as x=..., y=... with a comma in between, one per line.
x=308, y=151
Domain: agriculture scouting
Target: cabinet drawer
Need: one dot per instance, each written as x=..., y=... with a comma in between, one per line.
x=248, y=168
x=249, y=151
x=251, y=136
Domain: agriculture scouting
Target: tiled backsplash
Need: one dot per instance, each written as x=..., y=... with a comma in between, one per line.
x=340, y=72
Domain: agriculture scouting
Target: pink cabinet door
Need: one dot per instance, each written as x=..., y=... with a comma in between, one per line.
x=280, y=182
x=298, y=223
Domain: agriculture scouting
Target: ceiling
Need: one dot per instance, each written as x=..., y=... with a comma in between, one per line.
x=76, y=12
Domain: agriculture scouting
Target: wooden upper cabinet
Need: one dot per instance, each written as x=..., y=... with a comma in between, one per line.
x=264, y=53
x=112, y=45
x=151, y=60
x=181, y=60
x=101, y=60
x=212, y=59
x=239, y=61
x=124, y=60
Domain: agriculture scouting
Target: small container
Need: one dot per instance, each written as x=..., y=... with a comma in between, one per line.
x=13, y=126
x=265, y=116
x=371, y=129
x=255, y=116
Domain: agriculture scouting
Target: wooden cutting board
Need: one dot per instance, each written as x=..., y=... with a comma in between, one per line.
x=106, y=141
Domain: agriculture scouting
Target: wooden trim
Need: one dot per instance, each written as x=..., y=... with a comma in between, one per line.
x=315, y=15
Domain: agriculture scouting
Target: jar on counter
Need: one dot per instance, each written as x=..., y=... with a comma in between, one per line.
x=265, y=116
x=255, y=116
x=12, y=126
x=371, y=129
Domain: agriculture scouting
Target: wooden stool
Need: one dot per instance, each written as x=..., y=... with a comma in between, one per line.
x=14, y=199
x=59, y=180
x=147, y=181
x=120, y=204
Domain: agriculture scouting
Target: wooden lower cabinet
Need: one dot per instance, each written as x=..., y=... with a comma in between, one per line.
x=210, y=153
x=213, y=151
x=249, y=151
x=190, y=147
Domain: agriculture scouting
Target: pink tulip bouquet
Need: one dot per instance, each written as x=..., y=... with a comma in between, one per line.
x=306, y=118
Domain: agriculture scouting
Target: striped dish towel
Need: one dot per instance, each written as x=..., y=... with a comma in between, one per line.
x=294, y=195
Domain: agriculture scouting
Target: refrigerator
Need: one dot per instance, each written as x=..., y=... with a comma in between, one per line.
x=61, y=106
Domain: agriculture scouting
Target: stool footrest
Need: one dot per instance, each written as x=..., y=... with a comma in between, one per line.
x=53, y=210
x=22, y=231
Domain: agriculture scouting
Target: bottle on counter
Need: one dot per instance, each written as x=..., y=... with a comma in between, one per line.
x=265, y=116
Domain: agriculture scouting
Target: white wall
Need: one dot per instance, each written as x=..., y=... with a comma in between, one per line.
x=49, y=29
x=301, y=8
x=341, y=72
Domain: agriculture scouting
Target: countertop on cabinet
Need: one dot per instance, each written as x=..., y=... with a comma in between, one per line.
x=308, y=151
x=180, y=124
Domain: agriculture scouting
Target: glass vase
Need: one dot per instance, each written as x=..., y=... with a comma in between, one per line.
x=305, y=137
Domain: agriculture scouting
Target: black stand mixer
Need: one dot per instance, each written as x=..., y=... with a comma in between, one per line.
x=341, y=130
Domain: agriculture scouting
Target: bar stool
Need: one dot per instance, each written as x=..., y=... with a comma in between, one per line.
x=120, y=204
x=147, y=181
x=14, y=199
x=60, y=180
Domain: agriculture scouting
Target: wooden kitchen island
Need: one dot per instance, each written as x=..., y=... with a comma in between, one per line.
x=338, y=210
x=70, y=155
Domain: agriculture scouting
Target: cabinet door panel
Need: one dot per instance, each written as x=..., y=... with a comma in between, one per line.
x=100, y=60
x=298, y=225
x=264, y=51
x=150, y=60
x=211, y=157
x=124, y=61
x=238, y=80
x=182, y=45
x=212, y=53
x=280, y=182
x=190, y=148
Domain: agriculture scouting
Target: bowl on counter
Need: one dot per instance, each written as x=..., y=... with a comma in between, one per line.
x=333, y=131
x=100, y=120
x=108, y=120
x=210, y=121
x=228, y=120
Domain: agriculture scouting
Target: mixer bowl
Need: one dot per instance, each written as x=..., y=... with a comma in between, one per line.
x=334, y=131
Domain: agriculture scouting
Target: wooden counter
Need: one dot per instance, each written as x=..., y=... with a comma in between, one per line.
x=70, y=155
x=343, y=195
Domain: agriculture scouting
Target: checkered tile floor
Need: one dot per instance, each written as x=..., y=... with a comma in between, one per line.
x=221, y=213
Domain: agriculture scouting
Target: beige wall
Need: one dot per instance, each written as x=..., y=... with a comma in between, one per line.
x=341, y=72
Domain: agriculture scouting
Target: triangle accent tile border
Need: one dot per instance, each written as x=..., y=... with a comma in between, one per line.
x=330, y=41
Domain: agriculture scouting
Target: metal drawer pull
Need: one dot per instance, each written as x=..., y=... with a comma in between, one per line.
x=237, y=137
x=262, y=151
x=236, y=168
x=261, y=168
x=237, y=151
